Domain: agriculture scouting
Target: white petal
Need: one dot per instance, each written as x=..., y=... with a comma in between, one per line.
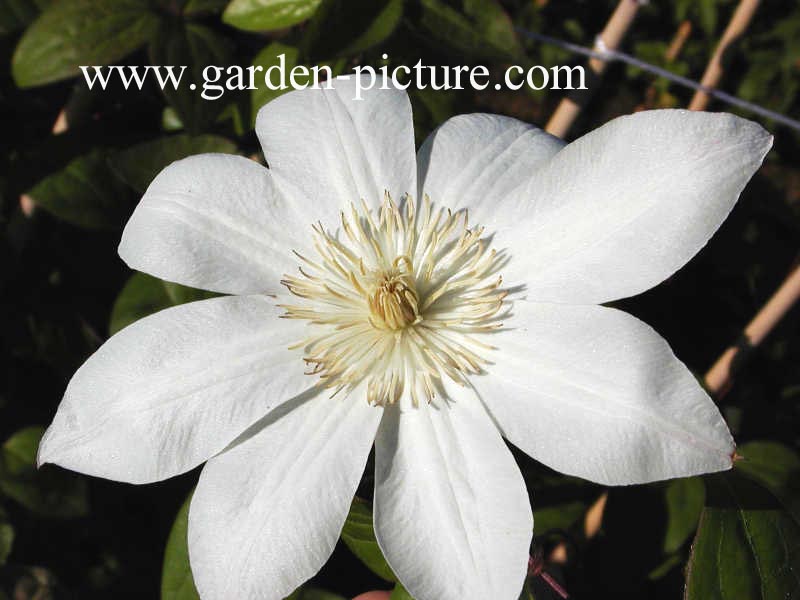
x=267, y=513
x=172, y=389
x=625, y=206
x=594, y=392
x=328, y=149
x=216, y=222
x=476, y=161
x=452, y=515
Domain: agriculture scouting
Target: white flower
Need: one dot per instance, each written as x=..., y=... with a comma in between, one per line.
x=397, y=329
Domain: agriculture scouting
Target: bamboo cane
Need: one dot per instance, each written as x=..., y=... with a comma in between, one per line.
x=719, y=378
x=610, y=38
x=678, y=41
x=736, y=27
x=670, y=54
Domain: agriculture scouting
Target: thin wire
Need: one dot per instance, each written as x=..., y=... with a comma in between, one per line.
x=608, y=55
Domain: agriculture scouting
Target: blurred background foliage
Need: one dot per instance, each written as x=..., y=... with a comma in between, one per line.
x=73, y=163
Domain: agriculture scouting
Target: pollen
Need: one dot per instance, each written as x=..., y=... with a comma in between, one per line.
x=394, y=304
x=397, y=299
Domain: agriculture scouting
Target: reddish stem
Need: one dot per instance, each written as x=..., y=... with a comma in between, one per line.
x=536, y=569
x=556, y=587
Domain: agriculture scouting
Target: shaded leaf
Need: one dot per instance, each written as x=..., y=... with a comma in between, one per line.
x=270, y=59
x=139, y=164
x=777, y=468
x=6, y=537
x=50, y=491
x=195, y=8
x=16, y=14
x=484, y=30
x=263, y=15
x=70, y=33
x=144, y=295
x=672, y=561
x=684, y=499
x=557, y=518
x=527, y=591
x=181, y=294
x=345, y=27
x=358, y=534
x=707, y=12
x=747, y=546
x=176, y=576
x=86, y=193
x=197, y=47
x=431, y=108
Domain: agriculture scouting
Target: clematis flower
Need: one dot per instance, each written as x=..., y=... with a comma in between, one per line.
x=429, y=304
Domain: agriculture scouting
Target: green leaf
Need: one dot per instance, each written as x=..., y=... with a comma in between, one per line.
x=176, y=576
x=359, y=536
x=431, y=108
x=493, y=22
x=747, y=546
x=682, y=9
x=707, y=12
x=684, y=499
x=71, y=33
x=269, y=58
x=346, y=27
x=86, y=193
x=48, y=492
x=194, y=8
x=197, y=47
x=170, y=121
x=139, y=164
x=672, y=561
x=438, y=103
x=181, y=294
x=484, y=31
x=16, y=14
x=6, y=537
x=559, y=517
x=777, y=468
x=527, y=591
x=400, y=593
x=144, y=295
x=263, y=15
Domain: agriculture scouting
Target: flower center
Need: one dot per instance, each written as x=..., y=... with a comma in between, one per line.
x=394, y=304
x=397, y=300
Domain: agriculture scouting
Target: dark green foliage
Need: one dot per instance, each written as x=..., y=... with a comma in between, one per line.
x=85, y=193
x=143, y=295
x=50, y=492
x=359, y=536
x=347, y=27
x=71, y=33
x=176, y=581
x=138, y=165
x=747, y=545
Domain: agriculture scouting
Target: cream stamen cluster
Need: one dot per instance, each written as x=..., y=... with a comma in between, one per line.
x=395, y=300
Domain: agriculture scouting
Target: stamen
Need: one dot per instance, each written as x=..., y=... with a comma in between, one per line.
x=397, y=300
